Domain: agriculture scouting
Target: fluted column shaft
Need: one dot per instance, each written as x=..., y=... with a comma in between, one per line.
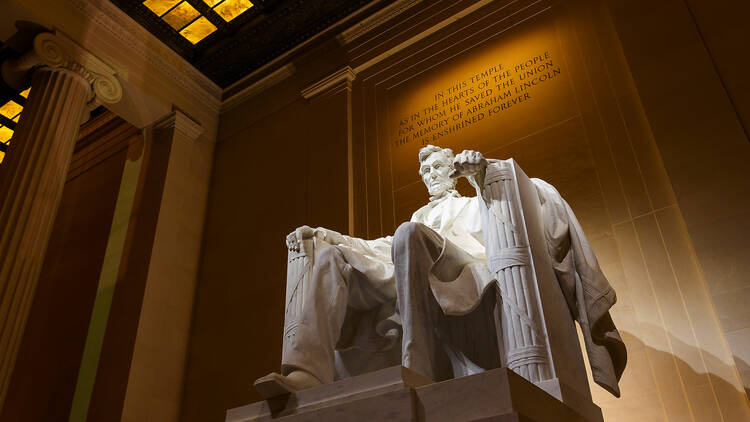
x=66, y=82
x=31, y=185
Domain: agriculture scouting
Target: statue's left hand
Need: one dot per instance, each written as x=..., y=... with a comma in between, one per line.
x=468, y=163
x=294, y=238
x=331, y=236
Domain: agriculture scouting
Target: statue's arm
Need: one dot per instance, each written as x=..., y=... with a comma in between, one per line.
x=380, y=247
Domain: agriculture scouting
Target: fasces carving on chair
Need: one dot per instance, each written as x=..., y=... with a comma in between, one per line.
x=469, y=284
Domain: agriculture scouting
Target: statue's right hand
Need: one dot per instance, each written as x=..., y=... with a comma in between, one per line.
x=294, y=238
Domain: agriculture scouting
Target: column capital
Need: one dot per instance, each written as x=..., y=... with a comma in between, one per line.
x=54, y=50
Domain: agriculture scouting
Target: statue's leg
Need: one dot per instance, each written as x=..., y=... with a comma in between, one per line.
x=334, y=286
x=415, y=248
x=323, y=314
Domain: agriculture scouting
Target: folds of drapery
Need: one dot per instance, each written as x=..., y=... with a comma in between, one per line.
x=587, y=292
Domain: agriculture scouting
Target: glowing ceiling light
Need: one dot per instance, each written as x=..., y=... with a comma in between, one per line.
x=198, y=30
x=230, y=9
x=189, y=22
x=160, y=7
x=11, y=110
x=180, y=16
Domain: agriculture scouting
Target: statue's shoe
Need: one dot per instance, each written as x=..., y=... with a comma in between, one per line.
x=274, y=385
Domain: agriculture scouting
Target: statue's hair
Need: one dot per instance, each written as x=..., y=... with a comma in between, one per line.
x=430, y=149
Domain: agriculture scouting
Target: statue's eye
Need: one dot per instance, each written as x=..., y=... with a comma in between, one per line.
x=425, y=170
x=438, y=165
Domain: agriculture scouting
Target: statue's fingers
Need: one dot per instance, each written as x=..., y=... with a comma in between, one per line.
x=319, y=233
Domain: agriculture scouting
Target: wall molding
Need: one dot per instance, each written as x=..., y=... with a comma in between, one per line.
x=345, y=74
x=422, y=35
x=377, y=19
x=257, y=87
x=180, y=123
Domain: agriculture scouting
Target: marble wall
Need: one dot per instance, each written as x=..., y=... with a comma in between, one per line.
x=280, y=168
x=701, y=129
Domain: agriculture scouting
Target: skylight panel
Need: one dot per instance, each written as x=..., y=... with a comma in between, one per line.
x=10, y=109
x=180, y=16
x=160, y=7
x=198, y=30
x=230, y=9
x=10, y=112
x=185, y=16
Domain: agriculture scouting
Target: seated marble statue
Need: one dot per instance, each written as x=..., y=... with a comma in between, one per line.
x=423, y=287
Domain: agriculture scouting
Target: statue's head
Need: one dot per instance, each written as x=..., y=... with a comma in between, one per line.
x=435, y=166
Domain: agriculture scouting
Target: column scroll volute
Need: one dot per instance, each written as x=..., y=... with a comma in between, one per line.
x=55, y=50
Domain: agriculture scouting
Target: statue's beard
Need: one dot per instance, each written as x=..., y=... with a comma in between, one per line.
x=441, y=188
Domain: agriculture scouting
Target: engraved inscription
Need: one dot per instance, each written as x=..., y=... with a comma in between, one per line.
x=476, y=98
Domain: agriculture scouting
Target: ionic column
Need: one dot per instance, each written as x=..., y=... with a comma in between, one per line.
x=67, y=81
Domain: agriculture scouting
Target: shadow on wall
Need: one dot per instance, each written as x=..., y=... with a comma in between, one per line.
x=674, y=385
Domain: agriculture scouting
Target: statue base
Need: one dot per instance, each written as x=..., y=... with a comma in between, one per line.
x=398, y=394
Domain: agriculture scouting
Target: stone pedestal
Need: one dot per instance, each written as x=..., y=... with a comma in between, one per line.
x=398, y=394
x=386, y=394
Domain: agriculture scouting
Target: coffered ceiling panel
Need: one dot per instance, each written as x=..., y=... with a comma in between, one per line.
x=228, y=39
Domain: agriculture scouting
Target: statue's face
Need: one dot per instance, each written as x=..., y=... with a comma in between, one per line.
x=435, y=171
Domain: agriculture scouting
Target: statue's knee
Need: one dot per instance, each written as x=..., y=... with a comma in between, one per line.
x=407, y=233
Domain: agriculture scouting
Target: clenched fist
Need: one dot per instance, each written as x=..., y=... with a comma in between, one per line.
x=294, y=238
x=468, y=163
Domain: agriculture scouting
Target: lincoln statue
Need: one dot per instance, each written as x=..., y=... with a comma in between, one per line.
x=426, y=294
